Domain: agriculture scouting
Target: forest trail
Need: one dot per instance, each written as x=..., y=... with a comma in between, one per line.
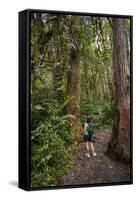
x=99, y=169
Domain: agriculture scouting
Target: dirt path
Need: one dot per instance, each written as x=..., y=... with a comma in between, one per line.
x=99, y=169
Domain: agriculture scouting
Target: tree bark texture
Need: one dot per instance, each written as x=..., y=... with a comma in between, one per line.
x=119, y=145
x=73, y=83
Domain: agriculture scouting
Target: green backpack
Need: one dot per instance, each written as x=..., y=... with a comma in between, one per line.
x=89, y=130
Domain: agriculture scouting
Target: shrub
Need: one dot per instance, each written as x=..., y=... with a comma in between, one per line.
x=52, y=149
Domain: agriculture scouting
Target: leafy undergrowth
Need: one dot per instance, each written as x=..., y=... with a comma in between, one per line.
x=52, y=149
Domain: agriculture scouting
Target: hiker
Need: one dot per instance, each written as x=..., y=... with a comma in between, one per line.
x=88, y=136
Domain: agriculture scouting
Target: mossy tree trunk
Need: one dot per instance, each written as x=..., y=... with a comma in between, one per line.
x=73, y=81
x=119, y=146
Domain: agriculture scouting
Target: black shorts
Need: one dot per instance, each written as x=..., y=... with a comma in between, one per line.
x=88, y=138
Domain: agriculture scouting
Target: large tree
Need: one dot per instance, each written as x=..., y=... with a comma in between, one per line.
x=120, y=141
x=73, y=78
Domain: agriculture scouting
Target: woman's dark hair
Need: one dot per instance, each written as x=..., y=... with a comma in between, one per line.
x=89, y=119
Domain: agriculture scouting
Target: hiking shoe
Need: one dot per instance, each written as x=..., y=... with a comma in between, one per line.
x=87, y=155
x=94, y=154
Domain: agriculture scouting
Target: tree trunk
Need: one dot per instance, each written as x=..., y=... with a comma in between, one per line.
x=73, y=82
x=119, y=146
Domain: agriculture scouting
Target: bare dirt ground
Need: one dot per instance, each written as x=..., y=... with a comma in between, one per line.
x=99, y=169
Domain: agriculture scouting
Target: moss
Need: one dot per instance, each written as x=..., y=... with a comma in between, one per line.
x=76, y=130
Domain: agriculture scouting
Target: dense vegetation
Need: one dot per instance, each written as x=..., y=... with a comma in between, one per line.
x=71, y=76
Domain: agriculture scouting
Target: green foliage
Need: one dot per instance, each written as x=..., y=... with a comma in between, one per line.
x=52, y=145
x=52, y=148
x=39, y=107
x=102, y=113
